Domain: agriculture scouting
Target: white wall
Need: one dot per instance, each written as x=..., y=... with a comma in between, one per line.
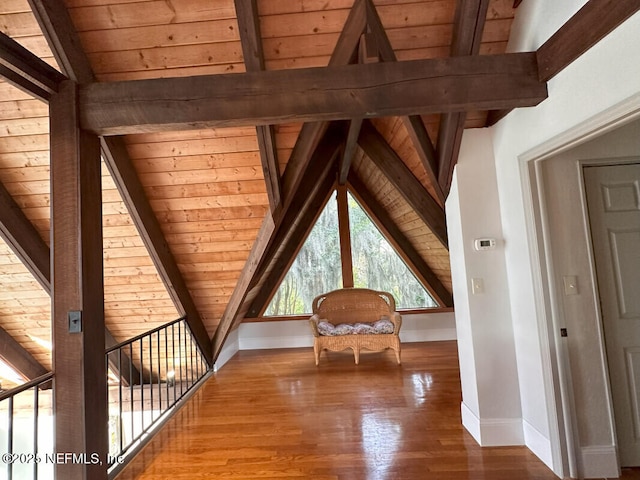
x=597, y=82
x=422, y=327
x=491, y=407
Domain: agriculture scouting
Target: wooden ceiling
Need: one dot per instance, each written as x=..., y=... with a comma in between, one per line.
x=206, y=198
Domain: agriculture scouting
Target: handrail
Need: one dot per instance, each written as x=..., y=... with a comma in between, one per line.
x=170, y=363
x=145, y=334
x=26, y=386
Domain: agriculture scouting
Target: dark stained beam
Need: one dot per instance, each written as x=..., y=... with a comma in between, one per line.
x=309, y=139
x=132, y=192
x=349, y=149
x=15, y=355
x=54, y=20
x=413, y=123
x=468, y=26
x=392, y=166
x=344, y=231
x=274, y=233
x=400, y=242
x=251, y=40
x=595, y=20
x=80, y=390
x=312, y=94
x=23, y=239
x=268, y=285
x=26, y=71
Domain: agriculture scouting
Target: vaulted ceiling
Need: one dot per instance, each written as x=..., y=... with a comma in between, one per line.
x=224, y=124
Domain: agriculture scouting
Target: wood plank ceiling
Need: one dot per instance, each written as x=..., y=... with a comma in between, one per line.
x=206, y=187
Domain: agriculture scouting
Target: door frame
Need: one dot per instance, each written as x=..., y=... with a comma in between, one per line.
x=559, y=395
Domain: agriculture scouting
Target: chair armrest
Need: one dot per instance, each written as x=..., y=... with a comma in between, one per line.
x=313, y=321
x=396, y=319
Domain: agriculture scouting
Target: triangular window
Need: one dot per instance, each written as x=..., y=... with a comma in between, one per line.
x=318, y=266
x=378, y=266
x=316, y=269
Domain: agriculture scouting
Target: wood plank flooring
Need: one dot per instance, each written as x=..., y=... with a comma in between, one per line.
x=273, y=414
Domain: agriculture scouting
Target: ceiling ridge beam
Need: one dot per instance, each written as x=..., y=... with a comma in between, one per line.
x=468, y=26
x=312, y=94
x=251, y=41
x=26, y=71
x=400, y=242
x=412, y=123
x=392, y=166
x=56, y=24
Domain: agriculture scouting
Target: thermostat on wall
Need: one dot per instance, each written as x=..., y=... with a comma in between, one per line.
x=484, y=243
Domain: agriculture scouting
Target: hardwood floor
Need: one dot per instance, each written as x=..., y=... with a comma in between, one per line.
x=273, y=414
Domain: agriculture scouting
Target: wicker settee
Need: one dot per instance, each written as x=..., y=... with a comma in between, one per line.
x=356, y=318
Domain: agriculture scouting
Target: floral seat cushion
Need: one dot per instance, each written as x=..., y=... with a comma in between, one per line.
x=362, y=328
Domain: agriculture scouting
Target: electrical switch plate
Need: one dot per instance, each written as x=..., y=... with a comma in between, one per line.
x=477, y=286
x=570, y=285
x=75, y=321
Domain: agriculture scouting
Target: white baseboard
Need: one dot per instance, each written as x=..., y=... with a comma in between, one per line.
x=538, y=444
x=428, y=335
x=599, y=461
x=492, y=432
x=259, y=343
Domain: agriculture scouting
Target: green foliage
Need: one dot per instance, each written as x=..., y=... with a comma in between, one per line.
x=317, y=268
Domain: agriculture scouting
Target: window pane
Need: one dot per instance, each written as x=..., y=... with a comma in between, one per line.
x=316, y=269
x=376, y=264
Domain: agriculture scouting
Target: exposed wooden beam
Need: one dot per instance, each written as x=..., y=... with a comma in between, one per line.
x=273, y=236
x=400, y=242
x=26, y=71
x=23, y=239
x=388, y=161
x=413, y=123
x=251, y=40
x=312, y=94
x=80, y=390
x=15, y=355
x=349, y=149
x=595, y=20
x=344, y=231
x=126, y=179
x=58, y=29
x=468, y=26
x=345, y=51
x=268, y=285
x=54, y=20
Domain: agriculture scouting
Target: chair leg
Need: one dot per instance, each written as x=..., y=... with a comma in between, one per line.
x=356, y=354
x=398, y=356
x=316, y=352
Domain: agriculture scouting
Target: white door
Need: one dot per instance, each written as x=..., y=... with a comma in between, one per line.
x=613, y=199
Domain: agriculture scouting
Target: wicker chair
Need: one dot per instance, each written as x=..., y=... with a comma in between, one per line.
x=351, y=306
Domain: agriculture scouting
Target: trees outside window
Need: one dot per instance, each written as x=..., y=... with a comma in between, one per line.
x=318, y=267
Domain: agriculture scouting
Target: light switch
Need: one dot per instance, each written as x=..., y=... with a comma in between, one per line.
x=477, y=286
x=570, y=284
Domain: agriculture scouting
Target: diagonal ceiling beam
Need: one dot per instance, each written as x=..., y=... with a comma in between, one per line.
x=392, y=166
x=19, y=359
x=63, y=39
x=26, y=71
x=413, y=123
x=273, y=235
x=23, y=239
x=312, y=94
x=251, y=40
x=595, y=20
x=299, y=230
x=467, y=35
x=401, y=243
